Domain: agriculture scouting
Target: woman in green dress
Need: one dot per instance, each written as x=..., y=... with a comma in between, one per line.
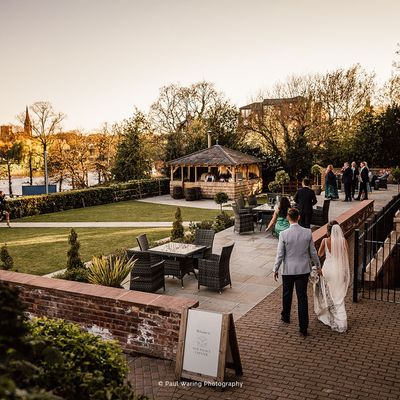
x=279, y=220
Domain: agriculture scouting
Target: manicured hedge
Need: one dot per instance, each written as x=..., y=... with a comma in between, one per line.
x=43, y=204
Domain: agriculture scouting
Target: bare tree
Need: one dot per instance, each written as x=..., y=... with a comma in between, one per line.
x=45, y=123
x=177, y=105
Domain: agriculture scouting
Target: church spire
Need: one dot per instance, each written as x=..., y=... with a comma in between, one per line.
x=27, y=124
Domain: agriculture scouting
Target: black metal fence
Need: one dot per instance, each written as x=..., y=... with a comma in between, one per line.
x=377, y=256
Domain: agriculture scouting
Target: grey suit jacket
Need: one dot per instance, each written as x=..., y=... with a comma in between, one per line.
x=296, y=250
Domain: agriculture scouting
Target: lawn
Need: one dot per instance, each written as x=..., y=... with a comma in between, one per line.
x=129, y=211
x=40, y=251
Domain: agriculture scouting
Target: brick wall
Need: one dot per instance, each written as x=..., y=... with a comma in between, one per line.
x=143, y=323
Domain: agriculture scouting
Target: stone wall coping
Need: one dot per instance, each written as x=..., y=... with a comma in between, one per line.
x=141, y=299
x=320, y=233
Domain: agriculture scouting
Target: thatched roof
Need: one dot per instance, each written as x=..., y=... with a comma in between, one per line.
x=215, y=156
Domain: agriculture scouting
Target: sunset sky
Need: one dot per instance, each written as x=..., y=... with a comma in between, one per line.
x=96, y=59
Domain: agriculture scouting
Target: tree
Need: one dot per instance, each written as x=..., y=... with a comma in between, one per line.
x=10, y=153
x=310, y=118
x=377, y=139
x=131, y=161
x=45, y=123
x=287, y=123
x=104, y=149
x=184, y=115
x=177, y=232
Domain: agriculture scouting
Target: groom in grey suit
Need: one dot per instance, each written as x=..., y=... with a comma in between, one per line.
x=295, y=250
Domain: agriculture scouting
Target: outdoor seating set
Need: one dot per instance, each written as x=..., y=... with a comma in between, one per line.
x=247, y=217
x=178, y=259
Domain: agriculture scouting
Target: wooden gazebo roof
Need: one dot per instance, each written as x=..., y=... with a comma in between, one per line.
x=215, y=156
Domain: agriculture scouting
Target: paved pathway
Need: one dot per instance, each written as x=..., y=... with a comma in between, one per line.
x=278, y=364
x=90, y=224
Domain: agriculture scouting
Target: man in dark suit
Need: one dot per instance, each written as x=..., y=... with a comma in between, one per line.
x=364, y=180
x=355, y=173
x=305, y=199
x=347, y=179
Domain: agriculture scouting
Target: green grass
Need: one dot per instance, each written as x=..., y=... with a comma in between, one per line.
x=40, y=251
x=129, y=211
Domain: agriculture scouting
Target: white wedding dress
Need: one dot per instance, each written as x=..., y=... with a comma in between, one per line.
x=330, y=289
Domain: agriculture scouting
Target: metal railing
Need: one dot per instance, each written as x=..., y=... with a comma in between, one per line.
x=377, y=256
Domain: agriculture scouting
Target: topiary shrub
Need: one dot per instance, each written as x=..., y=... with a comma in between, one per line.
x=282, y=177
x=87, y=367
x=221, y=198
x=6, y=261
x=75, y=269
x=177, y=232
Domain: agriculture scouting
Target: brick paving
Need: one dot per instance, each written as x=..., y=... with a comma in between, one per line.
x=363, y=363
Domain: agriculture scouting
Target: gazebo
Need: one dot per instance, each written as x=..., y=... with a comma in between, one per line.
x=217, y=169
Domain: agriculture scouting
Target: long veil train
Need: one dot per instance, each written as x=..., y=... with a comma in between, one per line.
x=331, y=288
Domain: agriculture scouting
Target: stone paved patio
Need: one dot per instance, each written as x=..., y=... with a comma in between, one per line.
x=251, y=262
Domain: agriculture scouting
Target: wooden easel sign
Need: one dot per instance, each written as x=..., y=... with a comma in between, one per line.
x=207, y=346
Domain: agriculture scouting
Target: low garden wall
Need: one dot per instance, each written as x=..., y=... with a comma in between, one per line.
x=349, y=220
x=43, y=204
x=143, y=323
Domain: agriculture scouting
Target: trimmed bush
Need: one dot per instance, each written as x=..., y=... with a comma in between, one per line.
x=177, y=232
x=6, y=261
x=94, y=196
x=221, y=198
x=87, y=367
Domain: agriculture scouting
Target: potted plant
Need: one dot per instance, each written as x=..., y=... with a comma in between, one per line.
x=282, y=177
x=221, y=198
x=316, y=171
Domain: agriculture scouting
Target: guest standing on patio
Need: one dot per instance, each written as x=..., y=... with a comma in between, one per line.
x=331, y=191
x=305, y=199
x=354, y=182
x=347, y=178
x=364, y=180
x=294, y=250
x=279, y=220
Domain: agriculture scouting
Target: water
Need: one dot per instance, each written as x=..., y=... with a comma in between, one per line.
x=17, y=183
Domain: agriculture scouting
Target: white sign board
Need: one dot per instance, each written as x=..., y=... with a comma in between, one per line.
x=202, y=344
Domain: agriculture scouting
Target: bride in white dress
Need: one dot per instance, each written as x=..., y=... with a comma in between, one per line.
x=331, y=287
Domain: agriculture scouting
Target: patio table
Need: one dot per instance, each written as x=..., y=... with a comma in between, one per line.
x=264, y=213
x=178, y=257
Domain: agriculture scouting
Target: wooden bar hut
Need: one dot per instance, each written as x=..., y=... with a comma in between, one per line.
x=217, y=169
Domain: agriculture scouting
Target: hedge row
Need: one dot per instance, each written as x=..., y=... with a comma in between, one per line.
x=43, y=204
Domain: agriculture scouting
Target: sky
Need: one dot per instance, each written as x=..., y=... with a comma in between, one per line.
x=96, y=60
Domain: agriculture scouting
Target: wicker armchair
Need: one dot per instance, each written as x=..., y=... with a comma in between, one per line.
x=240, y=204
x=243, y=222
x=205, y=237
x=320, y=214
x=214, y=271
x=143, y=242
x=146, y=276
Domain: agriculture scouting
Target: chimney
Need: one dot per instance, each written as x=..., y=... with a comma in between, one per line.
x=209, y=138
